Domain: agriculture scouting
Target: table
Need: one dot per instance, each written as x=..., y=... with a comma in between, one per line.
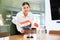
x=42, y=37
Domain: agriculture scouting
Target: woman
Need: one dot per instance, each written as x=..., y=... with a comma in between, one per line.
x=24, y=18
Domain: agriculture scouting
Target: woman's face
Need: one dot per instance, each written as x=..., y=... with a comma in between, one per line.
x=25, y=8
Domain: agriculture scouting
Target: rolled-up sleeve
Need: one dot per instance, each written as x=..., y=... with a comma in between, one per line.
x=16, y=22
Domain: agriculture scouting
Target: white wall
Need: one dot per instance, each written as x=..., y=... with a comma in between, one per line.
x=50, y=24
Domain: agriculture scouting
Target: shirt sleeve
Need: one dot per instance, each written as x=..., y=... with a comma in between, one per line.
x=16, y=22
x=19, y=28
x=15, y=19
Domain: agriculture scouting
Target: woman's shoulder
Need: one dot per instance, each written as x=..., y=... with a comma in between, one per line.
x=19, y=13
x=30, y=13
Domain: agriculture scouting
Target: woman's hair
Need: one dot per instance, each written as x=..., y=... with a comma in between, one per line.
x=24, y=3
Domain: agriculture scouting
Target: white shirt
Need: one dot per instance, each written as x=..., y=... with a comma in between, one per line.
x=20, y=18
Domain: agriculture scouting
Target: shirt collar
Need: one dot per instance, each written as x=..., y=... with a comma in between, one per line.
x=29, y=13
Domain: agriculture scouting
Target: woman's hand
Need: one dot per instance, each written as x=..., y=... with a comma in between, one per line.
x=22, y=31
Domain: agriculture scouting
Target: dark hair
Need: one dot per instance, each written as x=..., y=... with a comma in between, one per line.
x=24, y=3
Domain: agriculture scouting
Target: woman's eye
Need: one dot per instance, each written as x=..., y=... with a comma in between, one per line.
x=24, y=7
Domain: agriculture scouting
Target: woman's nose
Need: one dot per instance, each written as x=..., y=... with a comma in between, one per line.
x=26, y=9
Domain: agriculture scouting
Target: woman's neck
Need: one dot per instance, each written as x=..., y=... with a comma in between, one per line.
x=25, y=14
